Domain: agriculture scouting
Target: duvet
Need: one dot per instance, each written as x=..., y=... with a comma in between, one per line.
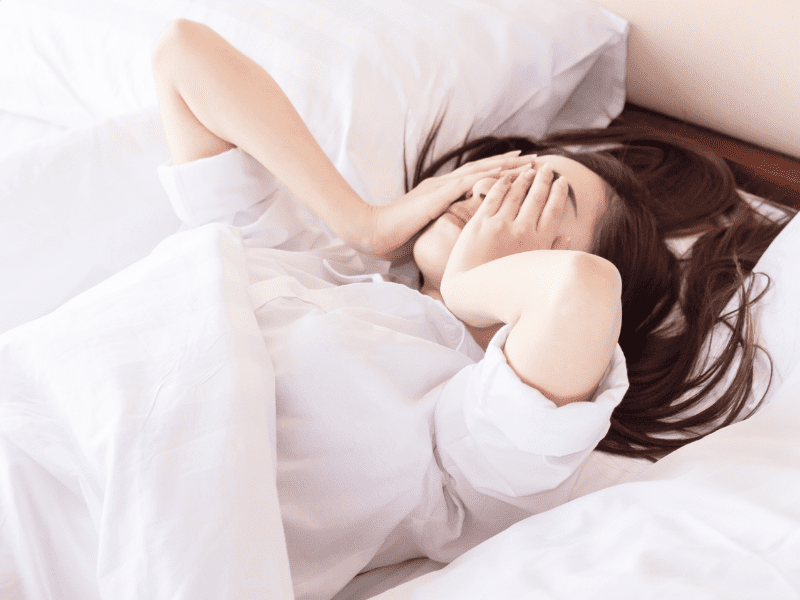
x=136, y=432
x=127, y=470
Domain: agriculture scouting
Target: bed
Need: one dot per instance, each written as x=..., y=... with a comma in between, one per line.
x=103, y=495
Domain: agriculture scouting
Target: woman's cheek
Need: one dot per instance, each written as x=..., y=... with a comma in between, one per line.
x=432, y=249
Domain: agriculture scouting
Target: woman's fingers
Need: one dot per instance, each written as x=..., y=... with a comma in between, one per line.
x=516, y=195
x=451, y=191
x=507, y=161
x=537, y=196
x=494, y=198
x=465, y=183
x=554, y=208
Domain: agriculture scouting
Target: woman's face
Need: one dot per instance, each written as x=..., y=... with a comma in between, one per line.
x=586, y=203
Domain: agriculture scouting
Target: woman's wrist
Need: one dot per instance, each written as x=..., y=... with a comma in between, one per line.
x=370, y=230
x=352, y=221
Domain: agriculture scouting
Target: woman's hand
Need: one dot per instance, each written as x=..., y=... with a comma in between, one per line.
x=564, y=306
x=390, y=230
x=514, y=217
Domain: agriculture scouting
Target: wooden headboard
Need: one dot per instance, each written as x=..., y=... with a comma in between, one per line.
x=722, y=74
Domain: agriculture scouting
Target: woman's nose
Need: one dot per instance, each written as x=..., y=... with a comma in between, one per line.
x=482, y=187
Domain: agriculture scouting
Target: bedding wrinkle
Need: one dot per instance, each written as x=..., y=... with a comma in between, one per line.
x=158, y=438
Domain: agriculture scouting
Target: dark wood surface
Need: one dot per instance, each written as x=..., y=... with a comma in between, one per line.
x=760, y=171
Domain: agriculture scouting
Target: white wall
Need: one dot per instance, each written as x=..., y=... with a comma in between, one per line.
x=730, y=65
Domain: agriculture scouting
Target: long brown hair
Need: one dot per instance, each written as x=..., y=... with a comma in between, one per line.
x=670, y=305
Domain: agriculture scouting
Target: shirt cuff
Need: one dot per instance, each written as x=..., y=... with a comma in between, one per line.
x=507, y=438
x=216, y=188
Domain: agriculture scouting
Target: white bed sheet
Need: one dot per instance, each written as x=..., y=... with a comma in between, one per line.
x=78, y=206
x=18, y=131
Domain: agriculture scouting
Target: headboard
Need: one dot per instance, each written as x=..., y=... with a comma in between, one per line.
x=729, y=65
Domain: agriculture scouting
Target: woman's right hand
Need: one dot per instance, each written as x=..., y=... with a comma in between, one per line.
x=515, y=217
x=388, y=231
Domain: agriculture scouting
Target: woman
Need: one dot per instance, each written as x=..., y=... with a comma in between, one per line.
x=543, y=263
x=670, y=305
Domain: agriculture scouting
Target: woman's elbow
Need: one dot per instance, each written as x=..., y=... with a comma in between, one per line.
x=177, y=36
x=595, y=298
x=592, y=276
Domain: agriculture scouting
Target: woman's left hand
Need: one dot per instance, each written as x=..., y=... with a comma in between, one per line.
x=514, y=217
x=391, y=229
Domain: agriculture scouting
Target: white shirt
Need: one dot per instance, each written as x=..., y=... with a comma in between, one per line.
x=397, y=436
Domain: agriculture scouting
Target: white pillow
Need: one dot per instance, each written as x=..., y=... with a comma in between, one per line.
x=368, y=77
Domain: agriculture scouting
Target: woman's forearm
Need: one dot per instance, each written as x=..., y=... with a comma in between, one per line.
x=565, y=310
x=235, y=99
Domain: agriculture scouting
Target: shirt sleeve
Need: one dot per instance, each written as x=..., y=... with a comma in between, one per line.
x=216, y=188
x=235, y=189
x=506, y=439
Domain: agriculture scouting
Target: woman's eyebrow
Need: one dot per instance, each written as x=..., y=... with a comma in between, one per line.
x=570, y=194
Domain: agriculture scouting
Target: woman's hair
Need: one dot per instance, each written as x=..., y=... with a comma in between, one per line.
x=659, y=189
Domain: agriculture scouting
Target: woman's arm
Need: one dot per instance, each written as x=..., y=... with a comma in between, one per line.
x=565, y=310
x=565, y=306
x=239, y=104
x=213, y=98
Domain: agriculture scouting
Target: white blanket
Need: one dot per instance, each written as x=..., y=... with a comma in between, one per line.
x=137, y=441
x=137, y=437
